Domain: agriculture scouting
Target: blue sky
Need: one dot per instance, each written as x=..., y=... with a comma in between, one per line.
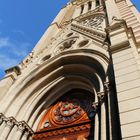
x=22, y=23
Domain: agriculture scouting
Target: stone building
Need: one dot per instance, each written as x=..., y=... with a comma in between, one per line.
x=82, y=79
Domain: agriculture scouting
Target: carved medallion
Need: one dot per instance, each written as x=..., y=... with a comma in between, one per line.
x=65, y=45
x=67, y=112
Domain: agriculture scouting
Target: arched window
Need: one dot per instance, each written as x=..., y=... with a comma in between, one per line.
x=89, y=5
x=97, y=3
x=82, y=9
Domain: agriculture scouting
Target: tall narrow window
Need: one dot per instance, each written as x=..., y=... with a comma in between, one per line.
x=89, y=5
x=82, y=8
x=97, y=3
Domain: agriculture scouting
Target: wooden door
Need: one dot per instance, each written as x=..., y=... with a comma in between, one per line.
x=67, y=119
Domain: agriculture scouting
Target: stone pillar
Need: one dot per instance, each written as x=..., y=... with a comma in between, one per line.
x=107, y=90
x=2, y=122
x=103, y=122
x=23, y=131
x=25, y=135
x=93, y=5
x=96, y=129
x=12, y=133
x=8, y=127
x=85, y=8
x=2, y=127
x=20, y=129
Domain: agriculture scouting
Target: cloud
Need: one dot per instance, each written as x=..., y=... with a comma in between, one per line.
x=12, y=52
x=4, y=42
x=7, y=62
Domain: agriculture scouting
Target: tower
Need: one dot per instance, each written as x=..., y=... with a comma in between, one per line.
x=82, y=79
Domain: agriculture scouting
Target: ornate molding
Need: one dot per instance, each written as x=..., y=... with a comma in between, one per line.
x=23, y=126
x=107, y=87
x=95, y=22
x=101, y=96
x=66, y=131
x=11, y=121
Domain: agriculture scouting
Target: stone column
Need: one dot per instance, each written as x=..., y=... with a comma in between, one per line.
x=2, y=127
x=8, y=127
x=12, y=133
x=25, y=135
x=96, y=129
x=107, y=90
x=93, y=5
x=20, y=129
x=2, y=122
x=103, y=122
x=23, y=131
x=85, y=8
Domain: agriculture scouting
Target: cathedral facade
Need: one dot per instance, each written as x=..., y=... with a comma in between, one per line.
x=82, y=79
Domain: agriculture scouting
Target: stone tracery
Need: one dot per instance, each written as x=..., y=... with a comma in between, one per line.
x=94, y=22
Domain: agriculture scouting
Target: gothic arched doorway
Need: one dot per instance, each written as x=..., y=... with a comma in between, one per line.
x=69, y=118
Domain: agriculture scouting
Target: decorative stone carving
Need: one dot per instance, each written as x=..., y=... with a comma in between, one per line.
x=107, y=87
x=94, y=34
x=67, y=131
x=10, y=122
x=95, y=105
x=21, y=126
x=67, y=112
x=101, y=95
x=26, y=133
x=65, y=45
x=94, y=22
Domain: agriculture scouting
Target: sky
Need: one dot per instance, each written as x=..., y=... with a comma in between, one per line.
x=22, y=23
